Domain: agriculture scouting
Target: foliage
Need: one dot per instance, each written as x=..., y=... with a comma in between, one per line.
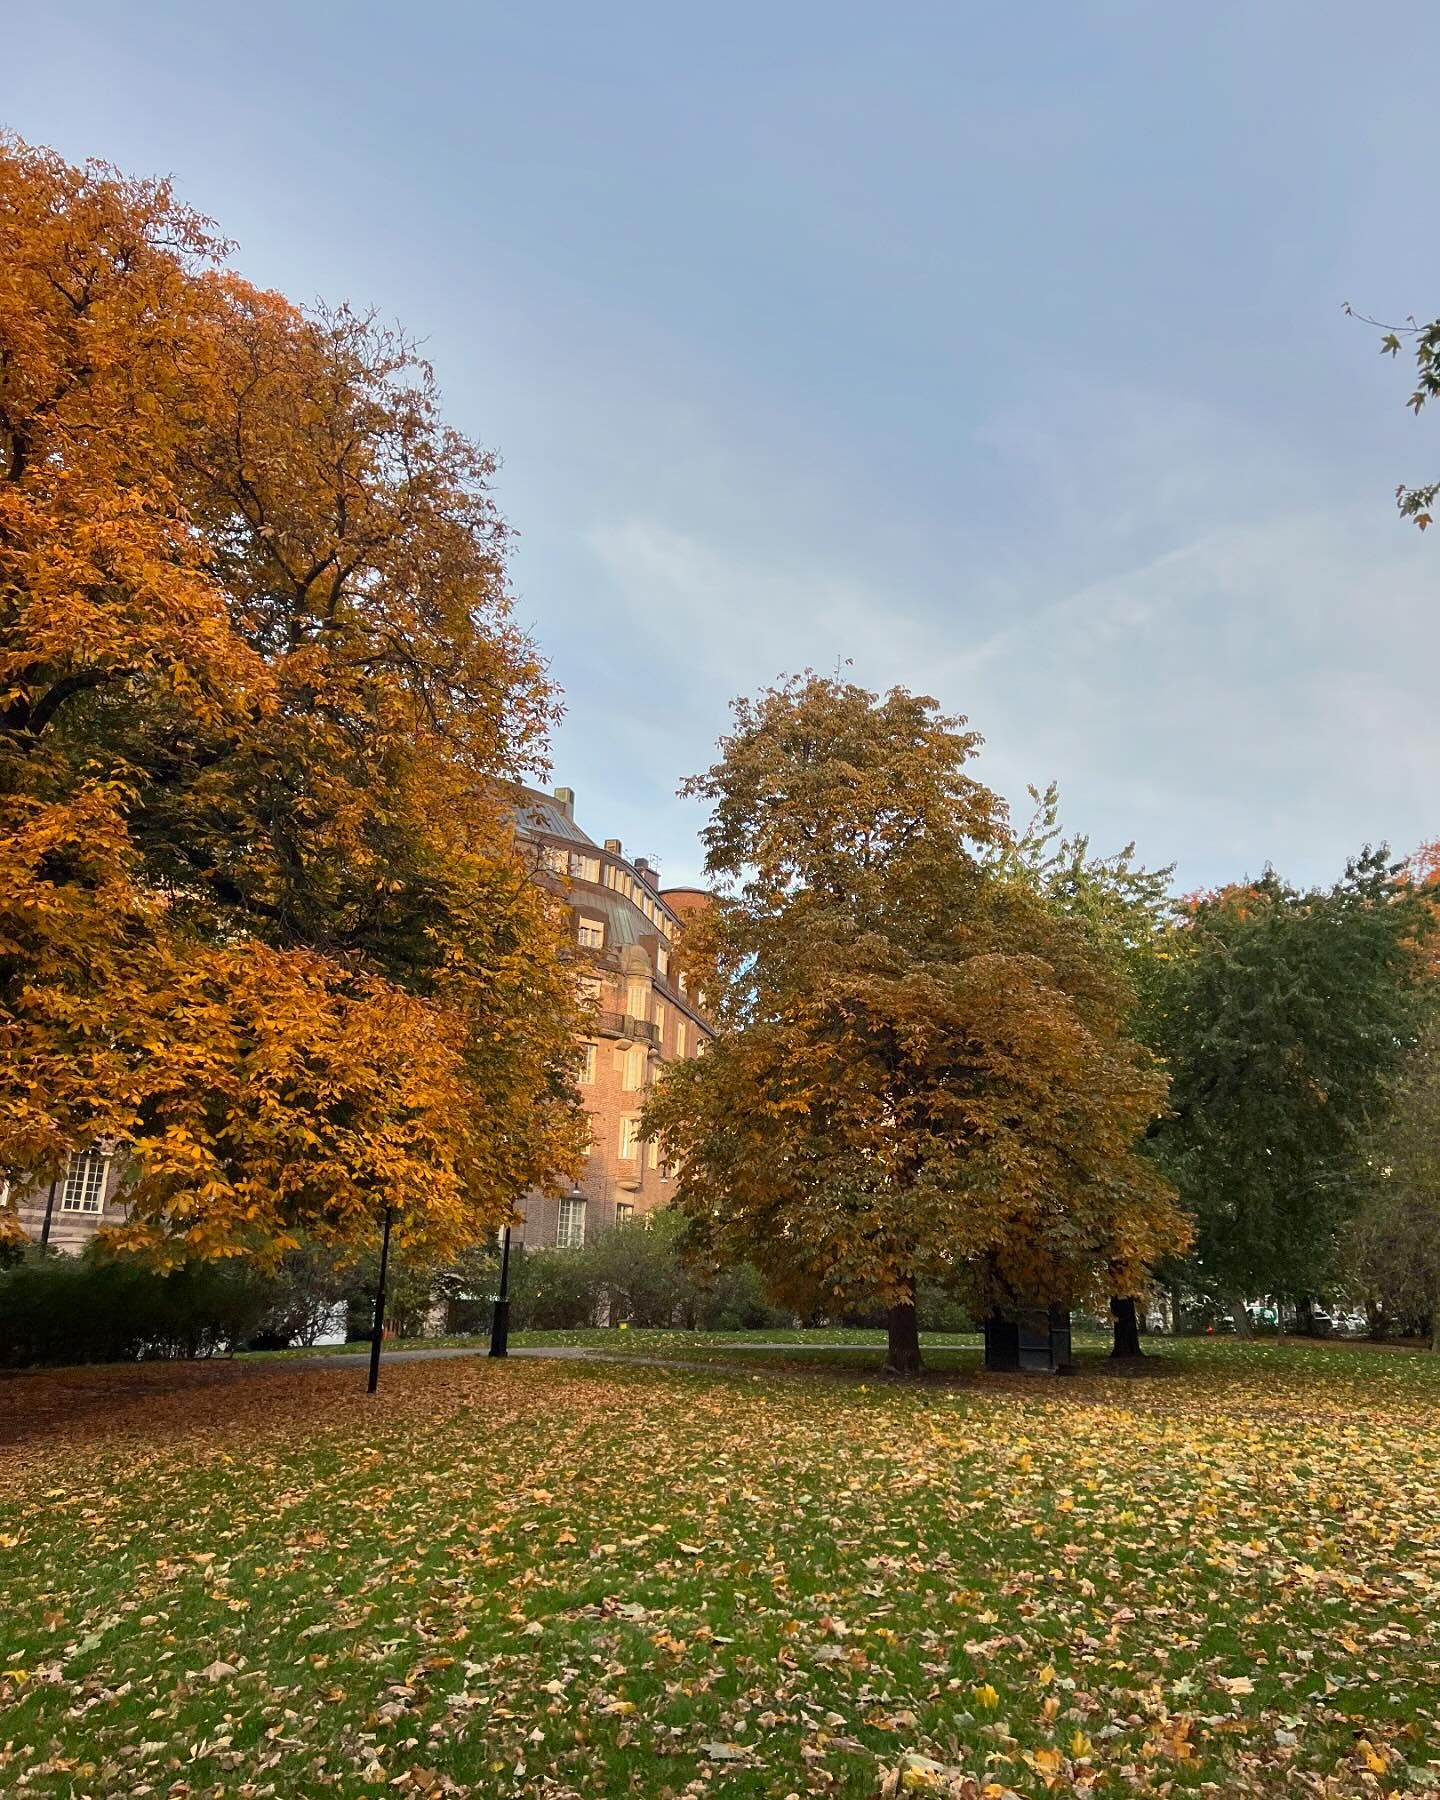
x=1283, y=1014
x=1416, y=503
x=1124, y=907
x=263, y=919
x=628, y=1580
x=1393, y=1243
x=638, y=1273
x=920, y=1066
x=62, y=1309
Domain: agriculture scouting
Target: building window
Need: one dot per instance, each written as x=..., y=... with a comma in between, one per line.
x=554, y=859
x=629, y=1140
x=680, y=1037
x=570, y=1233
x=84, y=1190
x=659, y=1021
x=682, y=982
x=587, y=1067
x=592, y=933
x=637, y=998
x=624, y=1212
x=636, y=1059
x=662, y=962
x=654, y=1153
x=584, y=868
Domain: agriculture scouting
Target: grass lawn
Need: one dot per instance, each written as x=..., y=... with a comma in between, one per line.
x=560, y=1578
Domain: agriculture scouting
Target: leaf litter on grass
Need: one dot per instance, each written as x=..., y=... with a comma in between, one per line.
x=558, y=1578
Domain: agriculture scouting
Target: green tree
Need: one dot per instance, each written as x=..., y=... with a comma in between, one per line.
x=920, y=1070
x=1282, y=1015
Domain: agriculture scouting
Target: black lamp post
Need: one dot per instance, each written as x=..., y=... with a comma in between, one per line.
x=500, y=1322
x=378, y=1331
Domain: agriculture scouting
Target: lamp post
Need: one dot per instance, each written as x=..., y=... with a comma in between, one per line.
x=500, y=1322
x=378, y=1331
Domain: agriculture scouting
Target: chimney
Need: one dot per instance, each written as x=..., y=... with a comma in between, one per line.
x=613, y=846
x=565, y=800
x=651, y=877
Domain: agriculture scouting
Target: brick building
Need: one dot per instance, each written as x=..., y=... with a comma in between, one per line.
x=625, y=923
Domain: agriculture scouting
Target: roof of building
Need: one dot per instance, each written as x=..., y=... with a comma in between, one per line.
x=542, y=812
x=624, y=922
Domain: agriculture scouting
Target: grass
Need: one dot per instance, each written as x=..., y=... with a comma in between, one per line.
x=647, y=1341
x=563, y=1579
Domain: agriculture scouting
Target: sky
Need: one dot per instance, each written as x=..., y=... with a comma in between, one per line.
x=997, y=349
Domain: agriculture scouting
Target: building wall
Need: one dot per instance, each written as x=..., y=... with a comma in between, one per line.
x=87, y=1196
x=646, y=1019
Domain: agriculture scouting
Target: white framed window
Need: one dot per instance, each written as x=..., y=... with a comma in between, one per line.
x=591, y=933
x=591, y=988
x=682, y=984
x=662, y=962
x=84, y=1190
x=570, y=1232
x=553, y=858
x=660, y=1021
x=636, y=1059
x=587, y=1067
x=637, y=997
x=680, y=1035
x=624, y=1211
x=629, y=1140
x=654, y=1153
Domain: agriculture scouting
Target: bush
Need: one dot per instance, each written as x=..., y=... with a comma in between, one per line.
x=552, y=1290
x=737, y=1301
x=62, y=1309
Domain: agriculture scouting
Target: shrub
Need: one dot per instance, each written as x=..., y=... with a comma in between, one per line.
x=62, y=1309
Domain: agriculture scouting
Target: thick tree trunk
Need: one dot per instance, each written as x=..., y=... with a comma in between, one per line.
x=1241, y=1317
x=1177, y=1311
x=1305, y=1315
x=902, y=1354
x=1126, y=1315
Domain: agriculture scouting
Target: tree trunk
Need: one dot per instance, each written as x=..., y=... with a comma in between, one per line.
x=1127, y=1326
x=1241, y=1317
x=1305, y=1315
x=1177, y=1311
x=902, y=1354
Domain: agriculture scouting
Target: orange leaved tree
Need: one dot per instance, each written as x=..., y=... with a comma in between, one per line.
x=920, y=1072
x=263, y=920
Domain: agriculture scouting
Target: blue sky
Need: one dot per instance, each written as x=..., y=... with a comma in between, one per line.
x=996, y=348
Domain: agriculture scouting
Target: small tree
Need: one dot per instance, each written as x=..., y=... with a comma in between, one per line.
x=919, y=1068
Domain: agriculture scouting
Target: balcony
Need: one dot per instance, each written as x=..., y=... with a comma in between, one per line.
x=628, y=1029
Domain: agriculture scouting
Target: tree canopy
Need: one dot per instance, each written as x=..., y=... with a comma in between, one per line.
x=920, y=1070
x=263, y=919
x=1283, y=1015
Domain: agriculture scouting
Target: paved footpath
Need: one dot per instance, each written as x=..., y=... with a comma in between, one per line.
x=351, y=1359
